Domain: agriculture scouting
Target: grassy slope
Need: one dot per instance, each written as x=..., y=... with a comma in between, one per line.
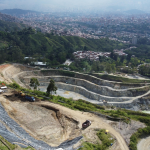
x=66, y=42
x=5, y=145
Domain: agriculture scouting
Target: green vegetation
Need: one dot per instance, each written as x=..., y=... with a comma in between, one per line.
x=141, y=52
x=34, y=83
x=106, y=140
x=119, y=79
x=11, y=26
x=61, y=72
x=5, y=145
x=145, y=70
x=48, y=48
x=56, y=49
x=136, y=136
x=51, y=87
x=125, y=64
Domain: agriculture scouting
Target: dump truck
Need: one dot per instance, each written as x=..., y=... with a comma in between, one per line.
x=30, y=98
x=23, y=95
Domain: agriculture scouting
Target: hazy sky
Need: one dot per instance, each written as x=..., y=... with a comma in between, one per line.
x=48, y=5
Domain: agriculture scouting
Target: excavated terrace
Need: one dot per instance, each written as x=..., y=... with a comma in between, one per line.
x=89, y=86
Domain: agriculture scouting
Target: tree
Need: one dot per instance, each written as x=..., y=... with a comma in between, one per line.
x=85, y=48
x=112, y=55
x=34, y=83
x=129, y=57
x=108, y=68
x=51, y=87
x=122, y=59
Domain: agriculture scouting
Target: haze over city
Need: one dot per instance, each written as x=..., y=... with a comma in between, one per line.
x=78, y=5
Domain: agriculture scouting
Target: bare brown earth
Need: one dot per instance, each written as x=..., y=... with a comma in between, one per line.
x=41, y=122
x=55, y=124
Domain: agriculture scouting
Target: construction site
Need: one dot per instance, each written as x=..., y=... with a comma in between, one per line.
x=41, y=124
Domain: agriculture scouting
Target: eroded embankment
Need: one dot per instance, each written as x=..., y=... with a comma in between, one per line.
x=43, y=122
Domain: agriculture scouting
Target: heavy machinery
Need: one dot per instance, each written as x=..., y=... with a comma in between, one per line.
x=19, y=93
x=30, y=98
x=23, y=95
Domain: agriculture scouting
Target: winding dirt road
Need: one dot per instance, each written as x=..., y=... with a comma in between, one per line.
x=97, y=122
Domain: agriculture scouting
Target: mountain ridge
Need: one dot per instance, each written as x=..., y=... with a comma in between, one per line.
x=17, y=12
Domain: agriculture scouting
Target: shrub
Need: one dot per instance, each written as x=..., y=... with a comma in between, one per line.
x=14, y=85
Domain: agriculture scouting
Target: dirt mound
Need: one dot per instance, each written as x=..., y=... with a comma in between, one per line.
x=43, y=123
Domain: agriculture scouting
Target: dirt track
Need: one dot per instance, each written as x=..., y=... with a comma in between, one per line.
x=144, y=144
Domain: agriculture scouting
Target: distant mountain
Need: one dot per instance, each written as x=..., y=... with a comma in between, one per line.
x=10, y=23
x=134, y=11
x=17, y=12
x=6, y=17
x=11, y=26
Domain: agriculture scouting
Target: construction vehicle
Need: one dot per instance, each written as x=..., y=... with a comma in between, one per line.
x=27, y=97
x=30, y=98
x=86, y=124
x=19, y=93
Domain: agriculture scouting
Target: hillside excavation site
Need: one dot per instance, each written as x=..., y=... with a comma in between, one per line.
x=44, y=125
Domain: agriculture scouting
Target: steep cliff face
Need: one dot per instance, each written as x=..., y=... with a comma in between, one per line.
x=69, y=82
x=89, y=86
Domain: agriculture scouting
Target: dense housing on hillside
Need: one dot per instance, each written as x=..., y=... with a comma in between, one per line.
x=91, y=55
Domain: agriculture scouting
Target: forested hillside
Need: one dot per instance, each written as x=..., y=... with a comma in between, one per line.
x=54, y=49
x=11, y=26
x=9, y=23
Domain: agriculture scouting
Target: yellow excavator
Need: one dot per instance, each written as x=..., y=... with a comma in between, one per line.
x=19, y=93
